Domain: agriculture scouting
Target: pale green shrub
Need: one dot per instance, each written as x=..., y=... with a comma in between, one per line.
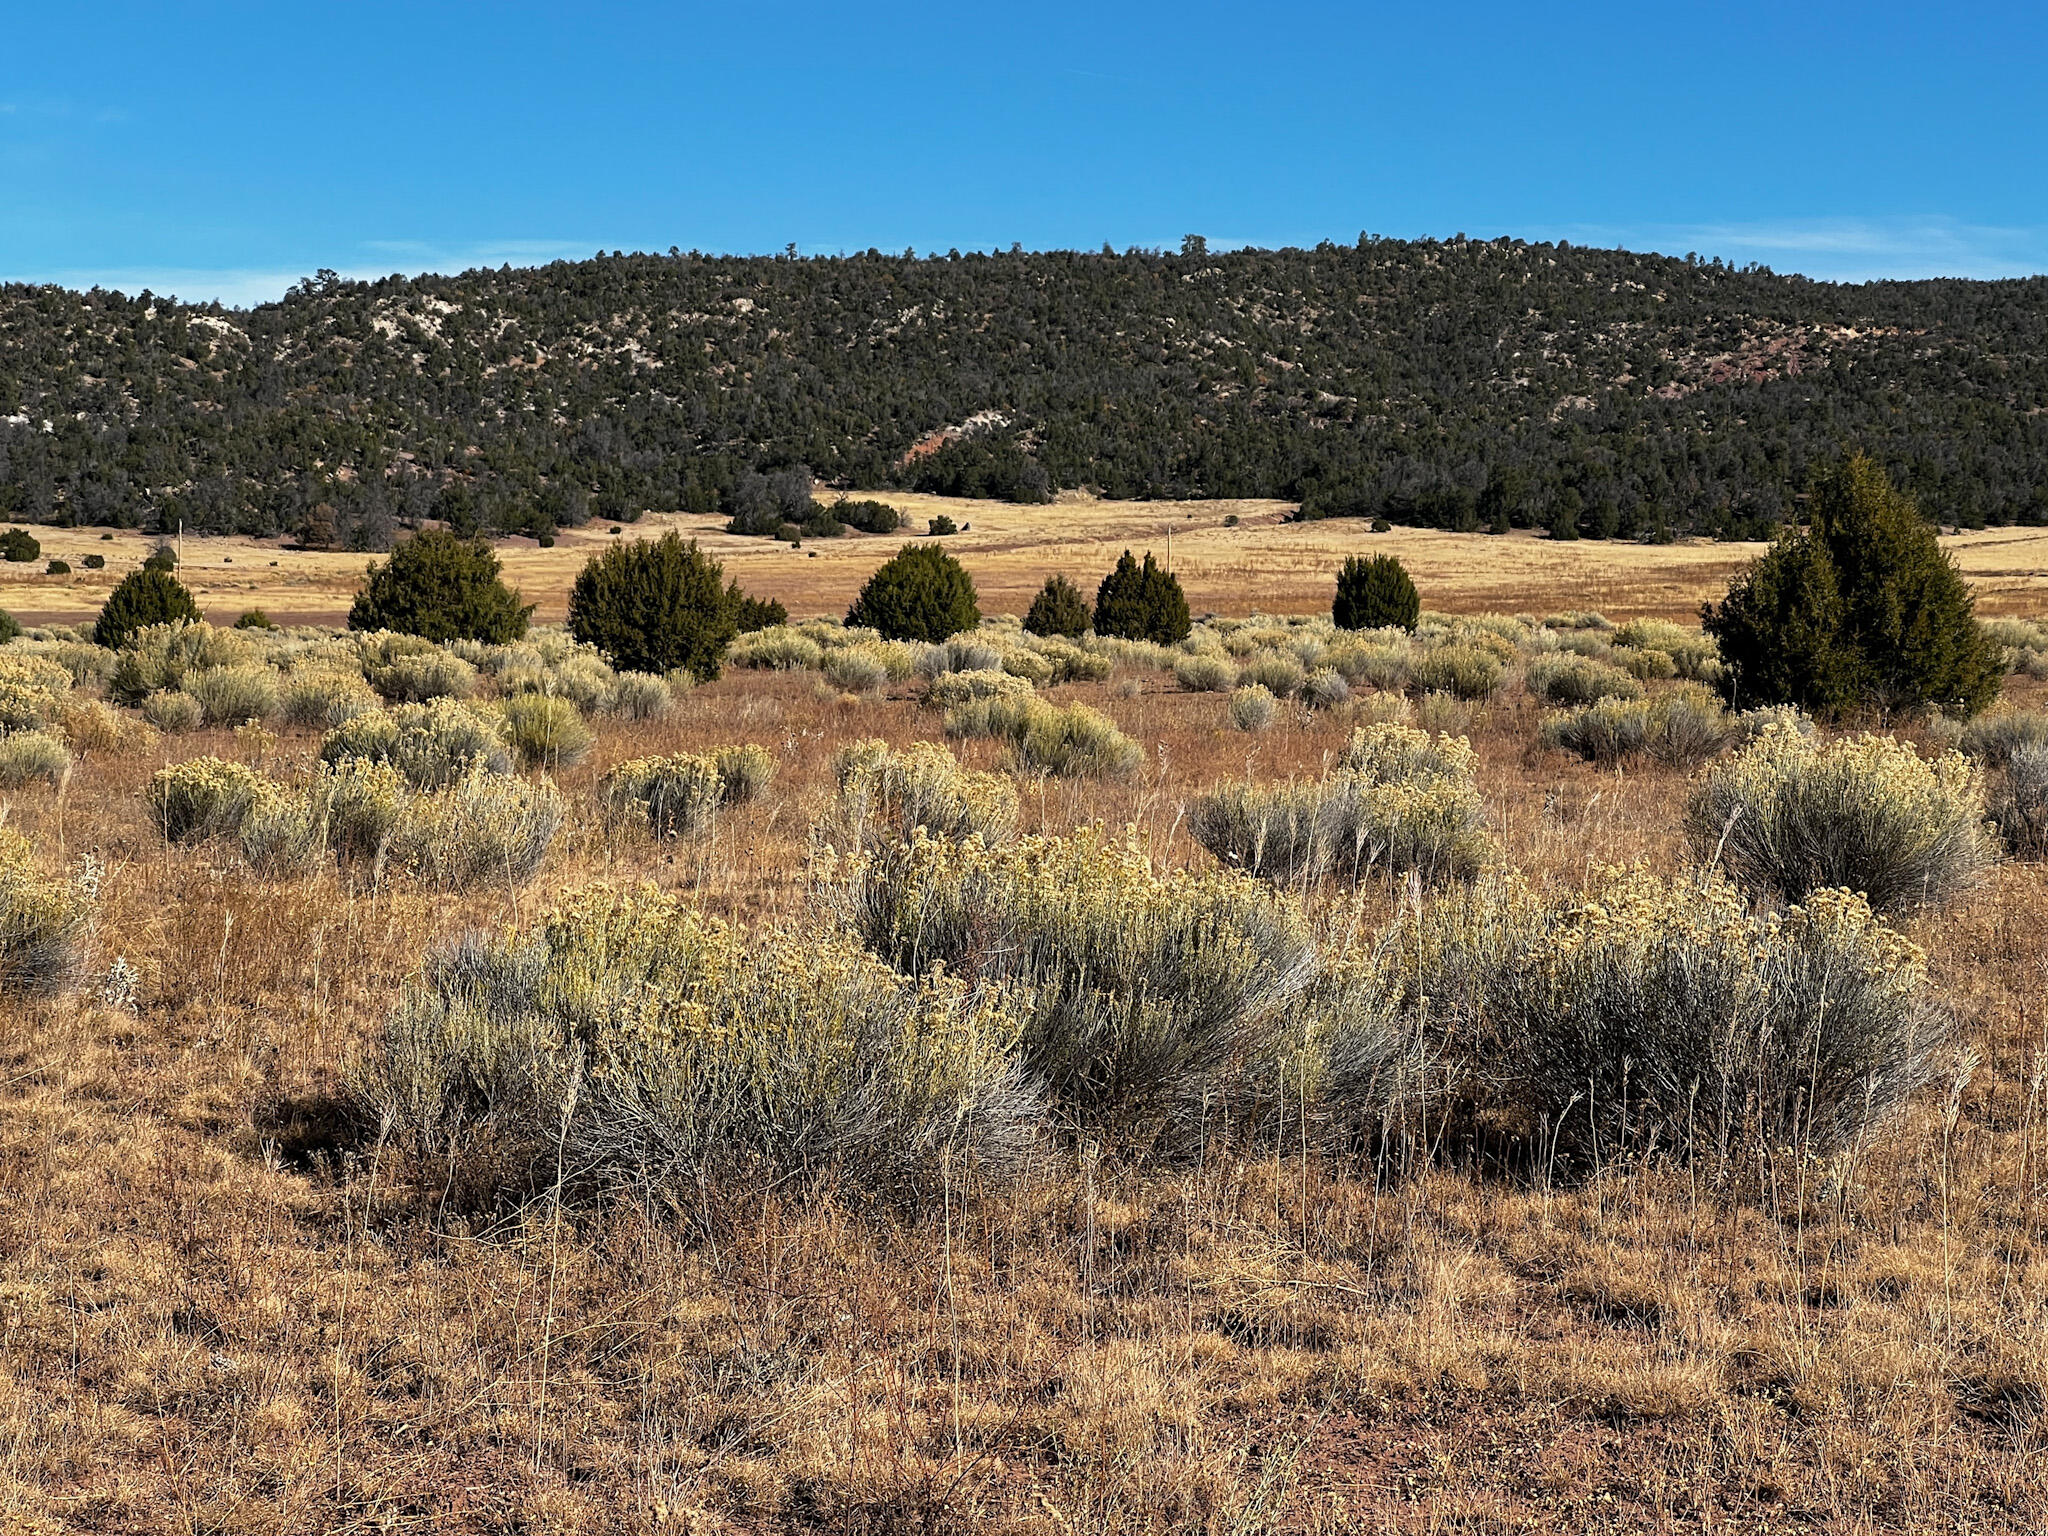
x=961, y=653
x=324, y=697
x=923, y=787
x=641, y=696
x=744, y=771
x=1037, y=670
x=1144, y=990
x=1275, y=671
x=230, y=695
x=1651, y=1017
x=1253, y=708
x=638, y=1041
x=1645, y=666
x=201, y=797
x=681, y=795
x=415, y=677
x=26, y=756
x=1325, y=688
x=1791, y=815
x=482, y=829
x=1607, y=732
x=1205, y=674
x=2019, y=804
x=173, y=710
x=949, y=690
x=1466, y=670
x=775, y=649
x=1444, y=714
x=284, y=835
x=431, y=744
x=857, y=668
x=158, y=657
x=45, y=924
x=1569, y=679
x=545, y=732
x=1069, y=742
x=1071, y=664
x=1993, y=738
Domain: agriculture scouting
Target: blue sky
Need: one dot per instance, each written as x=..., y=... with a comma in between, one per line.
x=225, y=150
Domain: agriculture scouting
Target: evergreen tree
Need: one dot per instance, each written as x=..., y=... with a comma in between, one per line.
x=1375, y=592
x=1861, y=607
x=440, y=586
x=921, y=593
x=1142, y=602
x=143, y=598
x=1059, y=609
x=653, y=606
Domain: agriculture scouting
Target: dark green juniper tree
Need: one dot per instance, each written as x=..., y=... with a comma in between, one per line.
x=1142, y=602
x=1059, y=609
x=653, y=606
x=440, y=586
x=1375, y=592
x=922, y=593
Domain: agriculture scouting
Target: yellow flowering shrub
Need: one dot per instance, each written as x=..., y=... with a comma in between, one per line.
x=663, y=1046
x=892, y=793
x=680, y=795
x=1793, y=814
x=201, y=797
x=1070, y=742
x=44, y=923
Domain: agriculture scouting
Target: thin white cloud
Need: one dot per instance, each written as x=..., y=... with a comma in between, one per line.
x=1842, y=249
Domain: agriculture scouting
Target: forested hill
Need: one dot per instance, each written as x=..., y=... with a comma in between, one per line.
x=1459, y=383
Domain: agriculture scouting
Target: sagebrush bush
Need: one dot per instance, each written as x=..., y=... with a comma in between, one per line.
x=173, y=710
x=45, y=924
x=1033, y=668
x=1651, y=1017
x=1994, y=738
x=202, y=797
x=160, y=656
x=1144, y=990
x=1253, y=708
x=231, y=695
x=777, y=649
x=1397, y=802
x=545, y=732
x=1071, y=664
x=482, y=829
x=1325, y=688
x=1069, y=742
x=420, y=676
x=658, y=1047
x=1205, y=674
x=1791, y=815
x=681, y=795
x=641, y=696
x=432, y=744
x=1465, y=670
x=922, y=787
x=949, y=690
x=1683, y=726
x=1275, y=671
x=1568, y=679
x=29, y=756
x=323, y=697
x=959, y=653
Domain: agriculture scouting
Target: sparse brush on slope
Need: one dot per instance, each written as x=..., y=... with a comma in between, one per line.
x=653, y=1045
x=1145, y=990
x=1791, y=815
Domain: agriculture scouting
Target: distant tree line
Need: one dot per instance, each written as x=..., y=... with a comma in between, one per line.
x=1475, y=385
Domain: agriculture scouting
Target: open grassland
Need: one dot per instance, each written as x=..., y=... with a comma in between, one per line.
x=226, y=1306
x=1264, y=562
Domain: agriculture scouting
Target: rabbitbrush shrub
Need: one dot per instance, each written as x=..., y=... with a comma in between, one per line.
x=923, y=787
x=1069, y=742
x=1646, y=1016
x=431, y=744
x=1253, y=708
x=1143, y=989
x=44, y=923
x=545, y=732
x=639, y=1042
x=681, y=795
x=1791, y=815
x=324, y=697
x=202, y=797
x=29, y=756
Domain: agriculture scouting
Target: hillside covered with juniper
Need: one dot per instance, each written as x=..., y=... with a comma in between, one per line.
x=1461, y=384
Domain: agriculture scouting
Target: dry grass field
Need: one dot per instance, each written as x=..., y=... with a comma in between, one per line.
x=1264, y=563
x=220, y=1311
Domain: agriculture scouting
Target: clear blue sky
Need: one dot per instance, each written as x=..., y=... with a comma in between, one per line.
x=224, y=150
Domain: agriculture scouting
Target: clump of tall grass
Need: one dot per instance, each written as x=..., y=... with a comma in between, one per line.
x=1791, y=815
x=2019, y=802
x=682, y=794
x=202, y=797
x=1398, y=801
x=1143, y=990
x=1069, y=742
x=1253, y=708
x=231, y=695
x=45, y=923
x=1568, y=679
x=638, y=1041
x=544, y=731
x=29, y=756
x=1645, y=1016
x=950, y=690
x=920, y=788
x=431, y=744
